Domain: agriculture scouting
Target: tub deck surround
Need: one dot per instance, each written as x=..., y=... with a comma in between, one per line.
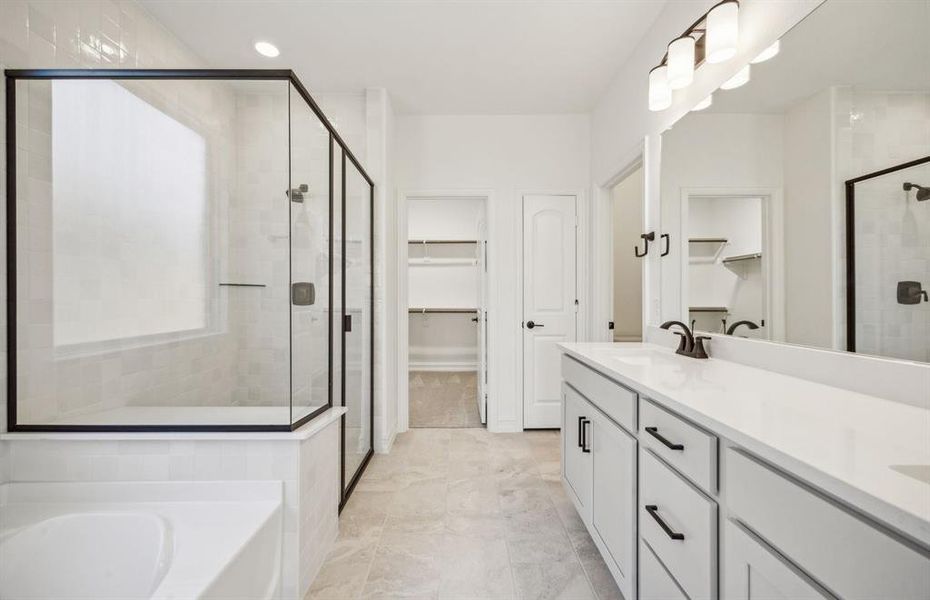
x=208, y=526
x=304, y=432
x=870, y=453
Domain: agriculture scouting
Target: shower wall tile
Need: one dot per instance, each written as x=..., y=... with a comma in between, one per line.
x=876, y=130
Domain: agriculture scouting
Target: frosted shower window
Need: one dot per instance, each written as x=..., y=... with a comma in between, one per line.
x=129, y=217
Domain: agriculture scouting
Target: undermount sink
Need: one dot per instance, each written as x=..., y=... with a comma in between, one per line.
x=636, y=360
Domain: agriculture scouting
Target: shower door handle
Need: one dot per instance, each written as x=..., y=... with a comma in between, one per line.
x=347, y=323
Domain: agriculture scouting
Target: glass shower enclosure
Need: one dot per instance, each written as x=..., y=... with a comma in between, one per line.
x=188, y=250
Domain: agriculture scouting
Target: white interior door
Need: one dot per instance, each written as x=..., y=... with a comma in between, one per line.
x=549, y=303
x=482, y=398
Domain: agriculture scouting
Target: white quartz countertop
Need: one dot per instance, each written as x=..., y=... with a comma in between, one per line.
x=871, y=453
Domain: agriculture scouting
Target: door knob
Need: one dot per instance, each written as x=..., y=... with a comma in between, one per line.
x=531, y=325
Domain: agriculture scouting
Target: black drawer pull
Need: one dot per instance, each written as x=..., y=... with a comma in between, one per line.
x=653, y=510
x=654, y=432
x=584, y=436
x=580, y=432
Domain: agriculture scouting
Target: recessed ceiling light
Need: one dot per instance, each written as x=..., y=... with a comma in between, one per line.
x=267, y=49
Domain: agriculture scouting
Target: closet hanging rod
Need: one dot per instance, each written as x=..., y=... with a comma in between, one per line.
x=442, y=241
x=427, y=311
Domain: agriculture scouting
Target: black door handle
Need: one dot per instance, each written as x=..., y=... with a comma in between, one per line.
x=474, y=319
x=531, y=325
x=668, y=244
x=580, y=432
x=584, y=436
x=653, y=510
x=654, y=432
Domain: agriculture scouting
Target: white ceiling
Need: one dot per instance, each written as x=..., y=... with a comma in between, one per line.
x=433, y=56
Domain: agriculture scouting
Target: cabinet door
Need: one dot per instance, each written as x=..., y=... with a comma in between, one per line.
x=613, y=502
x=751, y=572
x=655, y=582
x=576, y=436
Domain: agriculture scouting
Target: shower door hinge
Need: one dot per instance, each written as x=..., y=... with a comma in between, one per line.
x=347, y=323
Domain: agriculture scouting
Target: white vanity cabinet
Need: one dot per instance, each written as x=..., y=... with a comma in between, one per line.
x=600, y=468
x=613, y=502
x=755, y=572
x=679, y=510
x=576, y=456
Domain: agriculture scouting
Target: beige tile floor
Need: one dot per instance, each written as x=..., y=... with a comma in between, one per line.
x=444, y=399
x=466, y=514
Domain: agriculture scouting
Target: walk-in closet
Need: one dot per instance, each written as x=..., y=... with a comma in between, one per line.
x=447, y=300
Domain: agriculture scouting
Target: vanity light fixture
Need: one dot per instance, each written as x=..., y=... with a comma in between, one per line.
x=267, y=49
x=660, y=94
x=741, y=78
x=681, y=62
x=712, y=38
x=705, y=103
x=722, y=31
x=768, y=53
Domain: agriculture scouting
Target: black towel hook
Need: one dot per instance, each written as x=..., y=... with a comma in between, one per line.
x=647, y=237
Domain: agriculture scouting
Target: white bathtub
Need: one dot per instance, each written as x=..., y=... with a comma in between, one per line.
x=109, y=541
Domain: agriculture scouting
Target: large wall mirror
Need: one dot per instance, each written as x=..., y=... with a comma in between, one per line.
x=799, y=202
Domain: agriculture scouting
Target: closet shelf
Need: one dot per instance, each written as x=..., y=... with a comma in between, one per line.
x=427, y=311
x=442, y=241
x=442, y=262
x=708, y=309
x=705, y=249
x=741, y=257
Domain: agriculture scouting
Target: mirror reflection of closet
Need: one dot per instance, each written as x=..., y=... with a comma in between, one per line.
x=726, y=274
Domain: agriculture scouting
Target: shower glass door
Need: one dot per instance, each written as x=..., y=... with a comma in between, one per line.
x=357, y=423
x=892, y=265
x=309, y=195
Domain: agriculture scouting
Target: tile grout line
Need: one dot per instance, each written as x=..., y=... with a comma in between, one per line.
x=584, y=570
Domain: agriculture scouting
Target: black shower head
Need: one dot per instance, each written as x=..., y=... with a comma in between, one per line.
x=923, y=193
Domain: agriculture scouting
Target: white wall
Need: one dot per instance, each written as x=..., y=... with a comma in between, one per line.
x=809, y=206
x=505, y=156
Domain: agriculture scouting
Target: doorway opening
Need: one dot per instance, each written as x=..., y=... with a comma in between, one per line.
x=447, y=312
x=626, y=272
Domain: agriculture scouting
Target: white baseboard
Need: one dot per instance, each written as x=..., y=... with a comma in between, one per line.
x=457, y=366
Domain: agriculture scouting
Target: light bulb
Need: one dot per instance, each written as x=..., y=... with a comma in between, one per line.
x=768, y=53
x=741, y=78
x=660, y=94
x=722, y=35
x=681, y=62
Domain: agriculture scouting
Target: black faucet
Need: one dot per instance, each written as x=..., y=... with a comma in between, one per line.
x=689, y=345
x=748, y=324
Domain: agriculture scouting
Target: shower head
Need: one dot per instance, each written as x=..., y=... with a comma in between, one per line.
x=923, y=193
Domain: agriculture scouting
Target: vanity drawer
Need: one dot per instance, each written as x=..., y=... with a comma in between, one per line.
x=841, y=550
x=689, y=449
x=680, y=524
x=616, y=401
